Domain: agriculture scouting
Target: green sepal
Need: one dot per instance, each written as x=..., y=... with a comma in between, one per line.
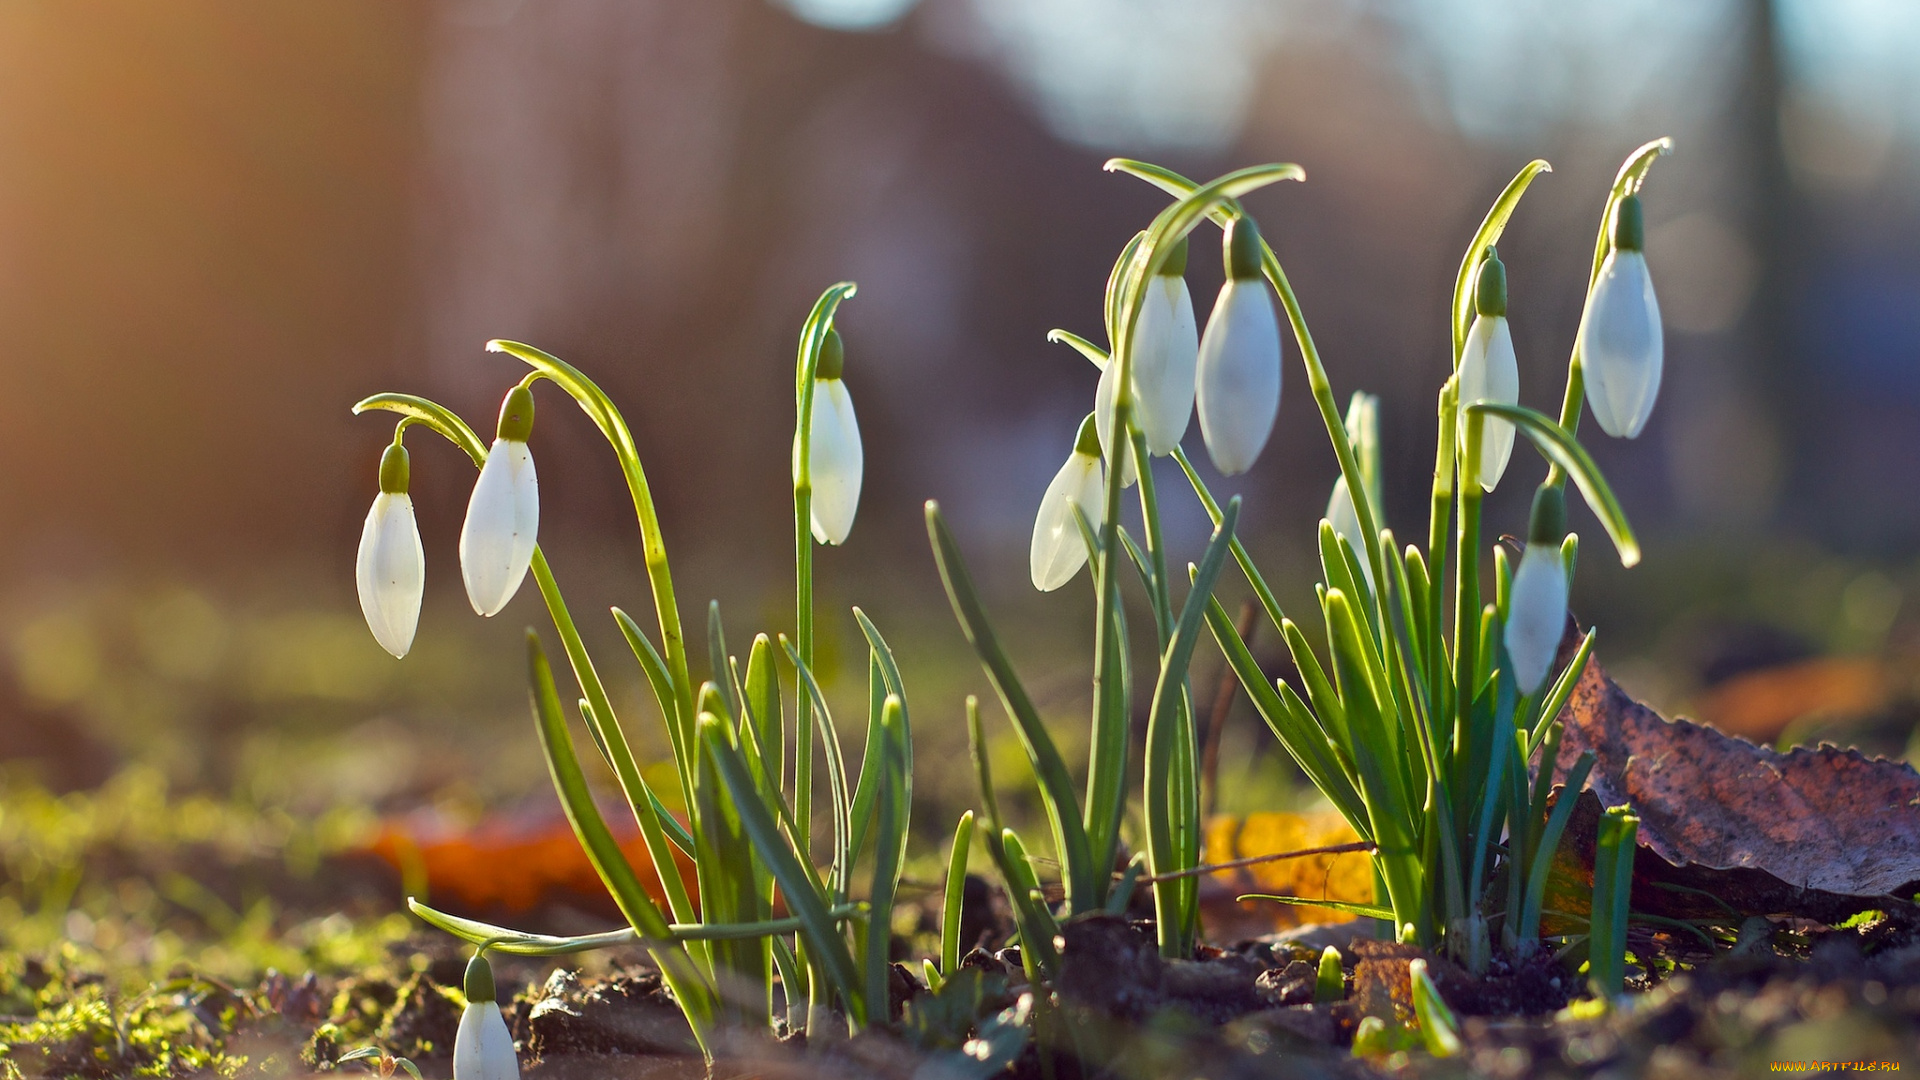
x=1242, y=249
x=833, y=356
x=1629, y=225
x=1547, y=524
x=1088, y=440
x=1490, y=287
x=1176, y=264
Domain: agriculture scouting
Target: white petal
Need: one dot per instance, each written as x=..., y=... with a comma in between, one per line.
x=1103, y=420
x=1346, y=522
x=482, y=1045
x=1058, y=548
x=1239, y=375
x=1489, y=372
x=391, y=572
x=1536, y=614
x=1166, y=350
x=838, y=462
x=502, y=527
x=1621, y=347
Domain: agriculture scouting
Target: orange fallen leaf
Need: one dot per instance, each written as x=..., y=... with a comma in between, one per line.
x=1760, y=704
x=1347, y=876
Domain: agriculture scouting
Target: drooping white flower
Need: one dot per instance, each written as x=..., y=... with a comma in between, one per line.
x=1537, y=607
x=482, y=1045
x=1489, y=371
x=1059, y=551
x=503, y=516
x=1346, y=524
x=1166, y=349
x=391, y=570
x=837, y=460
x=1238, y=391
x=1622, y=350
x=1103, y=423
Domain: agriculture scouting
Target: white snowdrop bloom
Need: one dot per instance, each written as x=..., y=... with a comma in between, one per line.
x=1489, y=371
x=503, y=516
x=1103, y=423
x=837, y=461
x=1166, y=349
x=1059, y=551
x=1238, y=384
x=1621, y=347
x=482, y=1045
x=391, y=570
x=1346, y=524
x=1537, y=607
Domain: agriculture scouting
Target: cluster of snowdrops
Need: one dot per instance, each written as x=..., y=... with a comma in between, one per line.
x=1426, y=717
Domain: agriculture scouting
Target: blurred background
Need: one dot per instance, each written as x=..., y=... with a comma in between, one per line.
x=221, y=223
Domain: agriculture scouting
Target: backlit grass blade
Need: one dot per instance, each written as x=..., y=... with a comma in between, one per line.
x=725, y=865
x=1562, y=690
x=1364, y=911
x=662, y=685
x=866, y=791
x=1094, y=353
x=1559, y=446
x=955, y=895
x=502, y=939
x=1528, y=928
x=823, y=938
x=836, y=771
x=1056, y=784
x=890, y=850
x=763, y=700
x=1485, y=237
x=1166, y=807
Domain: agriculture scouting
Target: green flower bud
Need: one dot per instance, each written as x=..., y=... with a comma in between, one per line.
x=1490, y=289
x=393, y=470
x=516, y=415
x=833, y=356
x=1629, y=225
x=479, y=978
x=1242, y=243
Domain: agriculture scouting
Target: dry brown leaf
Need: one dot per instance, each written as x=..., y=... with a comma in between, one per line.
x=1346, y=877
x=1824, y=824
x=1760, y=704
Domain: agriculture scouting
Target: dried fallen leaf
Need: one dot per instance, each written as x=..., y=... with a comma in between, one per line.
x=1346, y=877
x=1760, y=704
x=1831, y=828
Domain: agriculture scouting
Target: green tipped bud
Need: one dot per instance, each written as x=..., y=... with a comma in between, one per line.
x=1490, y=289
x=1088, y=441
x=1242, y=243
x=479, y=978
x=516, y=415
x=393, y=470
x=833, y=356
x=1549, y=521
x=1176, y=263
x=1629, y=225
x=1331, y=984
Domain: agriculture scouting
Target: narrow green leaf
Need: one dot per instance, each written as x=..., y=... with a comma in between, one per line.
x=1529, y=925
x=763, y=698
x=1485, y=237
x=955, y=895
x=1094, y=353
x=836, y=773
x=1056, y=785
x=1364, y=911
x=1560, y=448
x=662, y=686
x=890, y=851
x=1562, y=690
x=1438, y=1029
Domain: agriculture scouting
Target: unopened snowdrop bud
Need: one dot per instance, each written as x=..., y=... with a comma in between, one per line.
x=1238, y=389
x=482, y=1046
x=1058, y=548
x=392, y=568
x=837, y=461
x=1537, y=611
x=1488, y=370
x=1166, y=348
x=503, y=516
x=1621, y=348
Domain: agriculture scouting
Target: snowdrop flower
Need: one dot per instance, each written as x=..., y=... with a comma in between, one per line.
x=1621, y=350
x=1488, y=371
x=1058, y=548
x=503, y=516
x=1537, y=608
x=1346, y=523
x=392, y=568
x=836, y=460
x=482, y=1046
x=1166, y=347
x=1238, y=388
